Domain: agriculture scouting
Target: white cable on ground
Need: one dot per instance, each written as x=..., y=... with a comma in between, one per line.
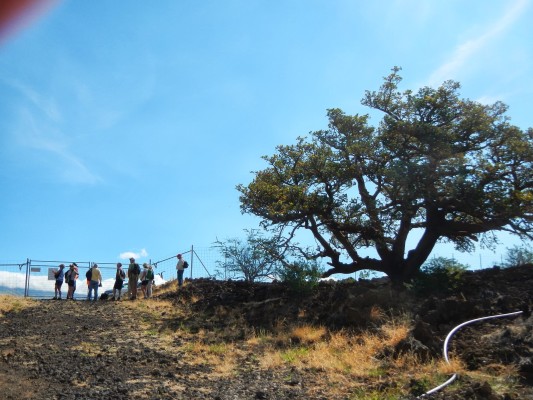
x=445, y=349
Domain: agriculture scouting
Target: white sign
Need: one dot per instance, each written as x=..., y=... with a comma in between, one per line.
x=51, y=272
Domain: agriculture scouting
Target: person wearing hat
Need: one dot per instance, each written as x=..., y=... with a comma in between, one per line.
x=60, y=276
x=180, y=268
x=150, y=276
x=96, y=281
x=144, y=279
x=147, y=276
x=119, y=282
x=133, y=276
x=70, y=276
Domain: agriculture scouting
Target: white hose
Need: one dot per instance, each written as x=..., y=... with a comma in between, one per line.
x=445, y=349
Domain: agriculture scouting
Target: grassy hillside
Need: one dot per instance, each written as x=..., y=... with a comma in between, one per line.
x=231, y=340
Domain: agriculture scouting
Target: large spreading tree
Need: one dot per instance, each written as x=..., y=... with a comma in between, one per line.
x=436, y=168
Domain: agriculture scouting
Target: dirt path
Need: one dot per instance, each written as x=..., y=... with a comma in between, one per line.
x=77, y=350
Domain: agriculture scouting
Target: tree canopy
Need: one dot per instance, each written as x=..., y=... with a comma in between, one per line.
x=447, y=168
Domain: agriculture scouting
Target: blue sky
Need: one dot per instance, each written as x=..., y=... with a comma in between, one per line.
x=126, y=125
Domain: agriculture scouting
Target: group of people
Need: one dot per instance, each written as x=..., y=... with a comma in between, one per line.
x=146, y=277
x=94, y=281
x=69, y=276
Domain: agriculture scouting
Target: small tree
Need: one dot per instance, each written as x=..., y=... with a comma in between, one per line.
x=518, y=255
x=249, y=259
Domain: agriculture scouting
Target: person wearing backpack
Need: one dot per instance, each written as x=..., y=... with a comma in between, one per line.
x=88, y=276
x=95, y=283
x=71, y=276
x=60, y=276
x=180, y=267
x=144, y=280
x=150, y=276
x=133, y=276
x=119, y=282
x=147, y=278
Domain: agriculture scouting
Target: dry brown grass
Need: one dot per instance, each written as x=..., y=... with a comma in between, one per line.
x=395, y=331
x=332, y=352
x=10, y=303
x=155, y=307
x=221, y=357
x=376, y=314
x=345, y=361
x=499, y=376
x=308, y=334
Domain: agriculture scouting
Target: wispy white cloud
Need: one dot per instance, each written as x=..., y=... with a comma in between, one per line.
x=46, y=105
x=465, y=52
x=37, y=127
x=105, y=108
x=38, y=136
x=128, y=254
x=489, y=99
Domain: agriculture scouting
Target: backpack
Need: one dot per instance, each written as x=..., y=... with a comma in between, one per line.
x=185, y=264
x=150, y=275
x=136, y=270
x=89, y=274
x=122, y=274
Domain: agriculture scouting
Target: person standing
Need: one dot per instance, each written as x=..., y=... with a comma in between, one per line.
x=119, y=282
x=150, y=277
x=180, y=267
x=144, y=279
x=67, y=280
x=147, y=278
x=133, y=276
x=96, y=281
x=88, y=275
x=71, y=276
x=60, y=276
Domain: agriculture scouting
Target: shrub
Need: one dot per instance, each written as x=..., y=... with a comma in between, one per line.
x=300, y=276
x=441, y=274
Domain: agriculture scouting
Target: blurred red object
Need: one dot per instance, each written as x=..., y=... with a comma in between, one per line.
x=15, y=14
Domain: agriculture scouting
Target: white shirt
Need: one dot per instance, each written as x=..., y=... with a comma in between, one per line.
x=143, y=274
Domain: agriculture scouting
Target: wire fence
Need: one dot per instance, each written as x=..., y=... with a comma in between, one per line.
x=35, y=278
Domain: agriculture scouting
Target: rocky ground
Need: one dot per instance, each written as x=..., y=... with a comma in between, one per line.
x=117, y=350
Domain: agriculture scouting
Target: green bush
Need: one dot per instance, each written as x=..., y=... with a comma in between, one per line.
x=301, y=277
x=441, y=274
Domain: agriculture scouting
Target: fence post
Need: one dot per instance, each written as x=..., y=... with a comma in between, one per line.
x=192, y=258
x=27, y=280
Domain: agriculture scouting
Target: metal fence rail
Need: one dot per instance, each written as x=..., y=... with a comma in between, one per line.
x=201, y=264
x=34, y=278
x=13, y=277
